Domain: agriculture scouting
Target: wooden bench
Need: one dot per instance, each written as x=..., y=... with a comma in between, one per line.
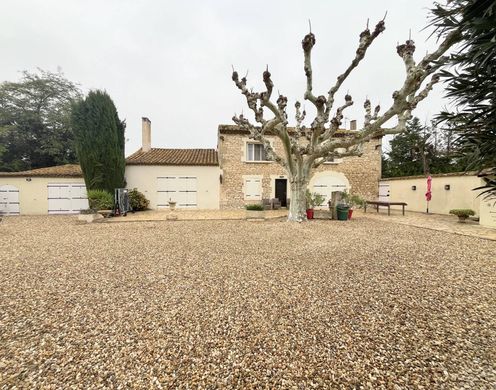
x=378, y=203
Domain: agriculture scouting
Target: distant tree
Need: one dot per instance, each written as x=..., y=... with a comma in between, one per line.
x=409, y=151
x=471, y=80
x=35, y=122
x=99, y=135
x=421, y=150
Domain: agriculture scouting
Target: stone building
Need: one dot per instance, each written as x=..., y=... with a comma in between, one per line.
x=247, y=177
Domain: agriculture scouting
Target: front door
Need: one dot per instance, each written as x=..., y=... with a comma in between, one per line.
x=282, y=191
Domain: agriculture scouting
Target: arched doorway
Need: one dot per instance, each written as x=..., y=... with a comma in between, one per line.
x=325, y=183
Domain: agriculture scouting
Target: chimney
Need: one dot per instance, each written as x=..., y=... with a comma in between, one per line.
x=146, y=134
x=353, y=124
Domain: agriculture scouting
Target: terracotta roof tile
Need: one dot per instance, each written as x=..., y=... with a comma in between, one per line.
x=68, y=170
x=158, y=156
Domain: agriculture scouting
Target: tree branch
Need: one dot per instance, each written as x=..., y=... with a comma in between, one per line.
x=366, y=39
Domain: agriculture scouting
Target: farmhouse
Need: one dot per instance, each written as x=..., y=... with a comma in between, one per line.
x=53, y=190
x=235, y=174
x=248, y=177
x=188, y=176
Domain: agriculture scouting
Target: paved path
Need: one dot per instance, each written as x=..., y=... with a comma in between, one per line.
x=445, y=223
x=183, y=215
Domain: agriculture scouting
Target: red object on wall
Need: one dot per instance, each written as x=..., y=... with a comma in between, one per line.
x=428, y=194
x=309, y=213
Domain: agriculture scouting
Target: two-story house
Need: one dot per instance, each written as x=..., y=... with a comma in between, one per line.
x=247, y=176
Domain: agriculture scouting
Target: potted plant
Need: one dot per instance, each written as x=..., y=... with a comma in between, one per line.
x=462, y=214
x=353, y=201
x=313, y=199
x=255, y=211
x=102, y=201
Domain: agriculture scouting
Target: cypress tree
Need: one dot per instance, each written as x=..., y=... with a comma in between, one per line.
x=99, y=137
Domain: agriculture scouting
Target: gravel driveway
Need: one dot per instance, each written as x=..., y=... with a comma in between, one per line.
x=236, y=304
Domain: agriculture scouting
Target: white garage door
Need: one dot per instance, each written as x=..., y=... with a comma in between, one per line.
x=9, y=200
x=66, y=198
x=179, y=189
x=326, y=185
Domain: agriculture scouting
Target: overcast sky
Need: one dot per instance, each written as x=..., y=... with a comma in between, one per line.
x=171, y=60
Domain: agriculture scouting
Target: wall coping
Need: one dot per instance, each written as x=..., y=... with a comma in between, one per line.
x=450, y=174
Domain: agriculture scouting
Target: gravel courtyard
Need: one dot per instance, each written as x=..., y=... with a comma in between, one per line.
x=237, y=304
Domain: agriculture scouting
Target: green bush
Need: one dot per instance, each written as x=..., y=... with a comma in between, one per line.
x=355, y=201
x=137, y=200
x=100, y=200
x=463, y=213
x=313, y=199
x=254, y=207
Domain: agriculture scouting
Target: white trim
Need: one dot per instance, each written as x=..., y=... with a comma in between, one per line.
x=244, y=146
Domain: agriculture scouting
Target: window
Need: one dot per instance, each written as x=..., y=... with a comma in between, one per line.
x=255, y=152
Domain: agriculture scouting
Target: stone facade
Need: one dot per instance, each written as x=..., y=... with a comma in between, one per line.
x=360, y=174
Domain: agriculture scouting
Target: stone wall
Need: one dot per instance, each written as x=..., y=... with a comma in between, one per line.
x=363, y=173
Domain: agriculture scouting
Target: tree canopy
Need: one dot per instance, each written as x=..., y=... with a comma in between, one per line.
x=99, y=136
x=471, y=80
x=35, y=129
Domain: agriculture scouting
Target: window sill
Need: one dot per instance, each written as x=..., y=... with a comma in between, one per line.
x=258, y=162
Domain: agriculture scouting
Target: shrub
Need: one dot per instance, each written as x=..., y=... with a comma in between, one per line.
x=313, y=199
x=353, y=200
x=100, y=200
x=254, y=207
x=137, y=200
x=463, y=213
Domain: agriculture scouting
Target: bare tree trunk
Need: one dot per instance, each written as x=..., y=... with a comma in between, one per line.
x=306, y=148
x=297, y=205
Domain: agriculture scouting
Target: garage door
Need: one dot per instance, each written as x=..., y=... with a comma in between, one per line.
x=326, y=185
x=9, y=200
x=66, y=198
x=179, y=189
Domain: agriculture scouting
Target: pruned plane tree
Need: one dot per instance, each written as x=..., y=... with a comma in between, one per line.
x=307, y=147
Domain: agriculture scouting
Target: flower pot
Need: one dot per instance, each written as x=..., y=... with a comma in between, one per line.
x=350, y=213
x=172, y=206
x=342, y=211
x=309, y=213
